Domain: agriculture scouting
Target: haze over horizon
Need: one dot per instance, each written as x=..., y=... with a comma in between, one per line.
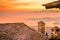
x=52, y=18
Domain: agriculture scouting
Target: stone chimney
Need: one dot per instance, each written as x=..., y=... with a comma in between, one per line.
x=41, y=27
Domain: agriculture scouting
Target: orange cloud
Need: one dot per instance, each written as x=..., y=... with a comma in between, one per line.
x=22, y=5
x=14, y=4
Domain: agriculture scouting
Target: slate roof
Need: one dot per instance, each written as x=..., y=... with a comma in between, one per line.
x=19, y=31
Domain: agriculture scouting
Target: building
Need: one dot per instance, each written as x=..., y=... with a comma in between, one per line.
x=55, y=4
x=41, y=27
x=19, y=31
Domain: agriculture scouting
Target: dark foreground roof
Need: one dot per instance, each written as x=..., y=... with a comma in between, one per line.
x=19, y=31
x=55, y=4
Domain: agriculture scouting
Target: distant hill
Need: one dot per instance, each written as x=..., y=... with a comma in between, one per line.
x=19, y=31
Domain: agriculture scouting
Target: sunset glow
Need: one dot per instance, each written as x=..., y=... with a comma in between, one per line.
x=28, y=10
x=23, y=4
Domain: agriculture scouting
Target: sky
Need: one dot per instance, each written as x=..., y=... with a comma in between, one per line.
x=23, y=4
x=28, y=11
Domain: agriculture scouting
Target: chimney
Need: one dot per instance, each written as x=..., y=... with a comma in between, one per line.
x=41, y=27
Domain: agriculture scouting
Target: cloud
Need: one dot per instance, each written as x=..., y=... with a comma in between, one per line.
x=54, y=4
x=11, y=4
x=37, y=19
x=46, y=19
